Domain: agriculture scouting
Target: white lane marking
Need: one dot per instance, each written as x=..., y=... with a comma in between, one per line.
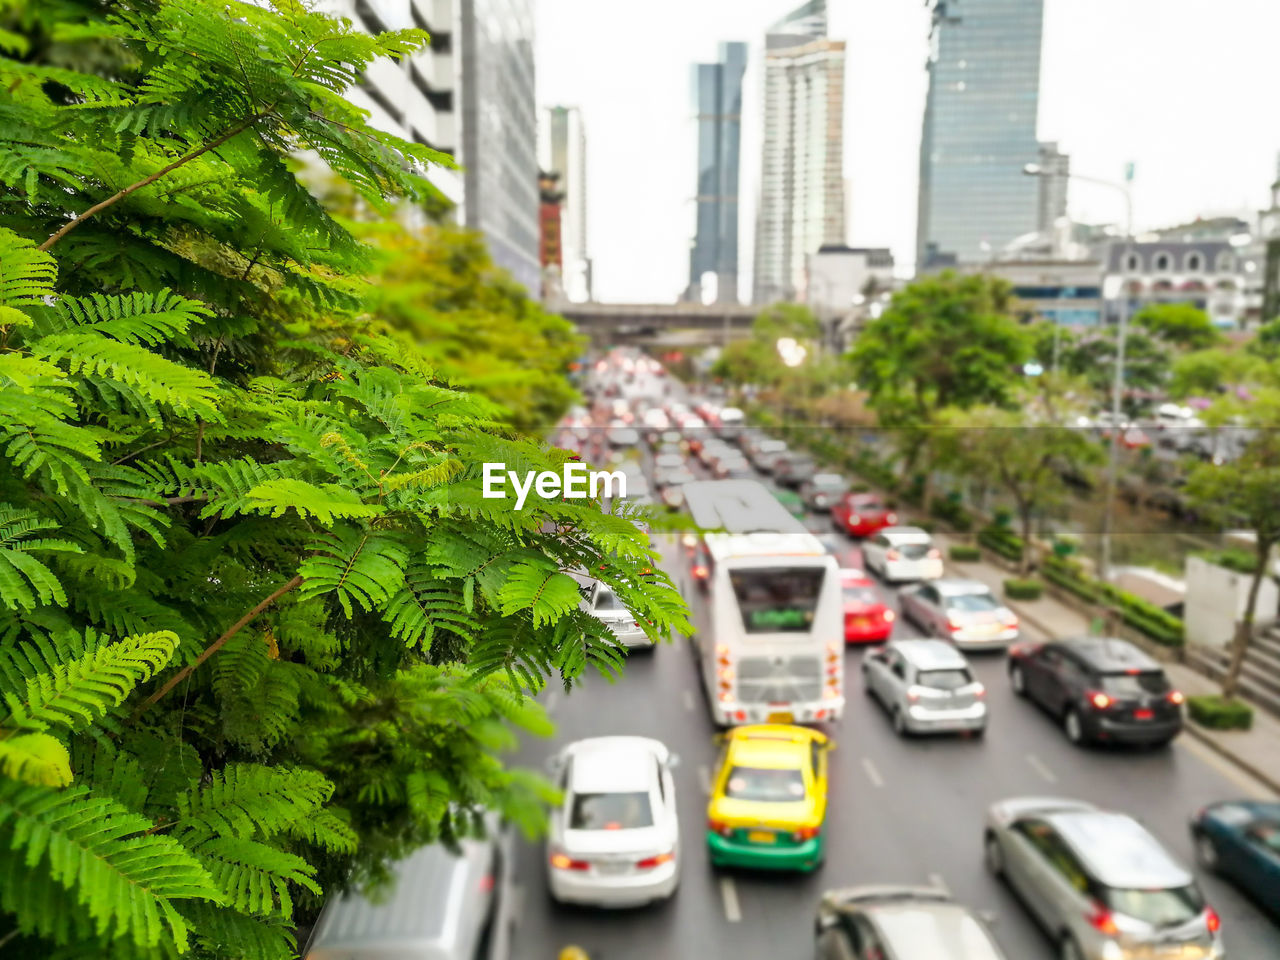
x=729, y=894
x=936, y=881
x=688, y=699
x=1255, y=789
x=552, y=699
x=704, y=779
x=872, y=773
x=1039, y=767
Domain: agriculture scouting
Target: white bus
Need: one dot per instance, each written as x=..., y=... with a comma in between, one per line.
x=774, y=652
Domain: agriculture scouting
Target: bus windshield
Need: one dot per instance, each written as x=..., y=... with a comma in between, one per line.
x=777, y=600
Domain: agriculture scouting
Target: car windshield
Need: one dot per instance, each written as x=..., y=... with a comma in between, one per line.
x=777, y=600
x=1160, y=908
x=605, y=600
x=868, y=506
x=1135, y=684
x=944, y=679
x=972, y=603
x=860, y=594
x=610, y=811
x=765, y=785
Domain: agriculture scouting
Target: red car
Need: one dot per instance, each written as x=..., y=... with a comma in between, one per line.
x=862, y=514
x=867, y=618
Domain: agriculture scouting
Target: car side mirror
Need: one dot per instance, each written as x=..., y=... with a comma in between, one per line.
x=673, y=761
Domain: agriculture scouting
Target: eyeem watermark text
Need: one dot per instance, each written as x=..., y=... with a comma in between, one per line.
x=577, y=483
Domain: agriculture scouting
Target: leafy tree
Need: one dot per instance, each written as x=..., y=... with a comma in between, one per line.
x=259, y=629
x=944, y=341
x=1266, y=343
x=1212, y=371
x=1019, y=451
x=1181, y=325
x=1092, y=357
x=1246, y=489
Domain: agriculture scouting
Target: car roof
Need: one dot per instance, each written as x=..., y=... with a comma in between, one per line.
x=938, y=930
x=1242, y=813
x=819, y=479
x=930, y=654
x=866, y=496
x=1110, y=653
x=906, y=533
x=419, y=910
x=1118, y=850
x=959, y=587
x=613, y=764
x=772, y=745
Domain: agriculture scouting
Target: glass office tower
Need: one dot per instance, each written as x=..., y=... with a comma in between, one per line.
x=979, y=130
x=717, y=100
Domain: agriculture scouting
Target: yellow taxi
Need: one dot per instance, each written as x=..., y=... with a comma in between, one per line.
x=769, y=798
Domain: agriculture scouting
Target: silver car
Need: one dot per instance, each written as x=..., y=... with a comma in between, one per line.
x=903, y=553
x=911, y=923
x=603, y=604
x=965, y=612
x=1099, y=883
x=927, y=687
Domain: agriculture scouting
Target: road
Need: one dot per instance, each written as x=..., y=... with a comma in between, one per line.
x=901, y=810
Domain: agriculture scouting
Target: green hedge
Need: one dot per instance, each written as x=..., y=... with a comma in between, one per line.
x=1241, y=561
x=1016, y=589
x=964, y=553
x=1152, y=621
x=952, y=513
x=1001, y=541
x=1217, y=714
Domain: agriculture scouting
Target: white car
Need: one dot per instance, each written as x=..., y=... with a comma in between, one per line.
x=603, y=604
x=965, y=612
x=903, y=553
x=615, y=841
x=623, y=436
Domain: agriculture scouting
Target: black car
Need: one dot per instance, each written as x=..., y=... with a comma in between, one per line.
x=1100, y=689
x=795, y=469
x=1240, y=840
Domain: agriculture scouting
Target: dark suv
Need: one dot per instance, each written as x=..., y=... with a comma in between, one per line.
x=1100, y=689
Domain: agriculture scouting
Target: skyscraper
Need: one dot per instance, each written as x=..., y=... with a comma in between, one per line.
x=1055, y=173
x=801, y=179
x=499, y=152
x=979, y=129
x=562, y=149
x=717, y=100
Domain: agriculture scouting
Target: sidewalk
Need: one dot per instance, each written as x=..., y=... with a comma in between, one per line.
x=1256, y=751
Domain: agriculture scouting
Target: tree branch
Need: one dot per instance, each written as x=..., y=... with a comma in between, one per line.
x=145, y=181
x=217, y=645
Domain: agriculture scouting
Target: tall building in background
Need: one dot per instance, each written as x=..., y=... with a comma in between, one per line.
x=1055, y=174
x=470, y=94
x=801, y=204
x=979, y=129
x=500, y=132
x=717, y=102
x=562, y=149
x=416, y=98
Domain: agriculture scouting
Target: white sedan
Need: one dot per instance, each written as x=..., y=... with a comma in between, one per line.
x=615, y=840
x=903, y=553
x=603, y=604
x=965, y=612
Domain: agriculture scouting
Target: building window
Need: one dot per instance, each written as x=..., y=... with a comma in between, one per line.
x=1163, y=263
x=1132, y=264
x=1224, y=262
x=1195, y=263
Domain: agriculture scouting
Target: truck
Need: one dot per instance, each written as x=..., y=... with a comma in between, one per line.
x=774, y=650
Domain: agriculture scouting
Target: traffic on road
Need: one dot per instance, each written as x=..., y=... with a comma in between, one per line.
x=869, y=757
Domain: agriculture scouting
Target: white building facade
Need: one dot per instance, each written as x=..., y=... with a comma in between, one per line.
x=801, y=204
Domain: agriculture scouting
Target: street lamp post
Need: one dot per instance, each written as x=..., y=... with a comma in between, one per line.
x=1122, y=331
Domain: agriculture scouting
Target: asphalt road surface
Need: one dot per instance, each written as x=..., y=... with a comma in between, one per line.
x=900, y=810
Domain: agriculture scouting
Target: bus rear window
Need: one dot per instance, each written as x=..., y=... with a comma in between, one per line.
x=778, y=600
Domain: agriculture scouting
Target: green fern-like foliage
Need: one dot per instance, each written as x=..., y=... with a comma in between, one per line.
x=260, y=632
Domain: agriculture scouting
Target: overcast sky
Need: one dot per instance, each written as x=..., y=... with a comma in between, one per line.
x=1186, y=89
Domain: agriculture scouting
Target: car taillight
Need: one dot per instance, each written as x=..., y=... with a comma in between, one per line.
x=564, y=862
x=804, y=833
x=1100, y=919
x=893, y=555
x=719, y=826
x=1010, y=622
x=1212, y=920
x=648, y=863
x=1175, y=697
x=935, y=554
x=892, y=518
x=953, y=626
x=1099, y=699
x=700, y=572
x=889, y=616
x=913, y=694
x=980, y=692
